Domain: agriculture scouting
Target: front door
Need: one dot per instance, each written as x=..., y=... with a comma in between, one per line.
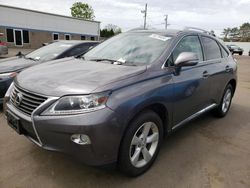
x=18, y=37
x=191, y=86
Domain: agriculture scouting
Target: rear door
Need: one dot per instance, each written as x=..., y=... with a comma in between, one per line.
x=216, y=58
x=191, y=87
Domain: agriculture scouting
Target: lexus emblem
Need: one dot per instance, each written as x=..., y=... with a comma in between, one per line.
x=18, y=99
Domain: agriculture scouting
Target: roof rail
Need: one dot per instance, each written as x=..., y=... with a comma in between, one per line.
x=200, y=30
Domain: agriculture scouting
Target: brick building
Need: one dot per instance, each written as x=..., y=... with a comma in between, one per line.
x=30, y=29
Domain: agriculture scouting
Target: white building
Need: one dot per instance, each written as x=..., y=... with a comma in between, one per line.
x=30, y=29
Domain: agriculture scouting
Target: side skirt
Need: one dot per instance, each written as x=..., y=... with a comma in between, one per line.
x=194, y=116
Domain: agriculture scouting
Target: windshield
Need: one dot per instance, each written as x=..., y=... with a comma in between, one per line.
x=49, y=52
x=138, y=48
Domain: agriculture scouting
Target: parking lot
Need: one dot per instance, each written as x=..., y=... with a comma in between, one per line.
x=207, y=152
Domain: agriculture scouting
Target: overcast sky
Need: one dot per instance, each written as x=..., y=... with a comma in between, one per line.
x=207, y=14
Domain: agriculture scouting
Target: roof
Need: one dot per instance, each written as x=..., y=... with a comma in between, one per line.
x=76, y=41
x=47, y=13
x=171, y=32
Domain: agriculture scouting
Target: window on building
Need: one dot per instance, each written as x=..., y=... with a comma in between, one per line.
x=211, y=48
x=26, y=36
x=67, y=36
x=83, y=37
x=55, y=36
x=92, y=38
x=10, y=35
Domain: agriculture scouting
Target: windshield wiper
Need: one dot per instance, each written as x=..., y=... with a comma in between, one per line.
x=30, y=58
x=115, y=62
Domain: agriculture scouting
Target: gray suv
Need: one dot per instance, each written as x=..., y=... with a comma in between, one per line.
x=118, y=101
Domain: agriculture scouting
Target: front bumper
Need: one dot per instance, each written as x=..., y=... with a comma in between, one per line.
x=54, y=133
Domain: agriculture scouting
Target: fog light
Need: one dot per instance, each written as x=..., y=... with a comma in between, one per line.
x=81, y=139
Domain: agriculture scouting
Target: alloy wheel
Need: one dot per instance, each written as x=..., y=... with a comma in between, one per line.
x=144, y=144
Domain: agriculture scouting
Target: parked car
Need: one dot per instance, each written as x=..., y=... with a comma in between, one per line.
x=118, y=101
x=3, y=45
x=10, y=67
x=235, y=49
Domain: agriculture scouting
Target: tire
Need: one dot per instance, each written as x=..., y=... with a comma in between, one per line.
x=225, y=103
x=138, y=150
x=240, y=53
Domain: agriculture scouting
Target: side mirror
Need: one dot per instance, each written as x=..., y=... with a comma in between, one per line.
x=186, y=59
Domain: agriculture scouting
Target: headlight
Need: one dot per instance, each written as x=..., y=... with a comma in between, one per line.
x=7, y=75
x=7, y=97
x=69, y=105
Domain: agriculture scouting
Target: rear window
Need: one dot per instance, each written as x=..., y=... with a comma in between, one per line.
x=211, y=48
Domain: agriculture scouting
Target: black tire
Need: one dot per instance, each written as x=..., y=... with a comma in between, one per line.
x=240, y=53
x=219, y=112
x=124, y=163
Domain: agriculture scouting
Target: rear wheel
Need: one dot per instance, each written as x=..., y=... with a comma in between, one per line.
x=141, y=144
x=240, y=53
x=225, y=103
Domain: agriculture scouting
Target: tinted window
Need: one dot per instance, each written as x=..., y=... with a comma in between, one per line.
x=26, y=36
x=187, y=44
x=67, y=37
x=80, y=49
x=83, y=37
x=10, y=35
x=92, y=38
x=224, y=52
x=211, y=48
x=55, y=36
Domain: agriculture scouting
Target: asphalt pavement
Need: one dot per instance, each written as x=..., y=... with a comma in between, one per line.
x=207, y=152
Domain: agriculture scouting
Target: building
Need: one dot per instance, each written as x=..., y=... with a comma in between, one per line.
x=30, y=29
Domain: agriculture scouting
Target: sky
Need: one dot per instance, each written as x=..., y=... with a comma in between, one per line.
x=207, y=14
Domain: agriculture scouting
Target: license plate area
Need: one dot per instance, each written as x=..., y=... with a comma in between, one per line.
x=14, y=122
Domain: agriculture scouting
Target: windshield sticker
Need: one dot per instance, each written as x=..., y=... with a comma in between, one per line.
x=159, y=37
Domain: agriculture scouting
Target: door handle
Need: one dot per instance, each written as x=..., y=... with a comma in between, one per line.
x=205, y=74
x=228, y=69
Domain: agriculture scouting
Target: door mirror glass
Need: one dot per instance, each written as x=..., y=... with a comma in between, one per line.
x=186, y=59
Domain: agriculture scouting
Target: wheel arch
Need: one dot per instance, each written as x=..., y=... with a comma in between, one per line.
x=233, y=83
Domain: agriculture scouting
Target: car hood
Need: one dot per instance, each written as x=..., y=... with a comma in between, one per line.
x=14, y=64
x=73, y=76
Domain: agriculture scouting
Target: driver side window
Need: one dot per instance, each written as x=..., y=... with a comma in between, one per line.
x=187, y=44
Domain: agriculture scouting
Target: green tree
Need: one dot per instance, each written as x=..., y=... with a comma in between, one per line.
x=110, y=30
x=226, y=32
x=82, y=10
x=245, y=32
x=234, y=33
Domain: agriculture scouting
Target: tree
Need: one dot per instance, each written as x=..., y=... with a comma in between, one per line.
x=226, y=32
x=245, y=32
x=110, y=30
x=82, y=10
x=115, y=28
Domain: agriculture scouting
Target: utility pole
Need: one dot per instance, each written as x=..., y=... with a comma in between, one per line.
x=166, y=21
x=145, y=15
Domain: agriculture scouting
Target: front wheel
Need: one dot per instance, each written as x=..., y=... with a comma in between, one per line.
x=225, y=103
x=141, y=144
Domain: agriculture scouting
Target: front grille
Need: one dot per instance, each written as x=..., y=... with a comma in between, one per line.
x=25, y=101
